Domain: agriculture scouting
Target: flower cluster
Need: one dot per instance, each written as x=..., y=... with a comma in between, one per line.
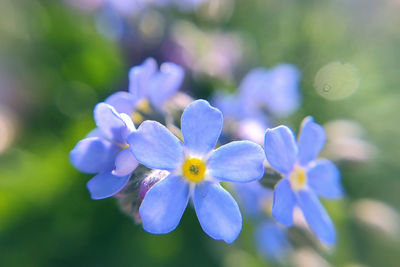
x=192, y=162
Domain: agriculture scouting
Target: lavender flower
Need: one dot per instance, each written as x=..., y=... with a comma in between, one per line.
x=105, y=152
x=148, y=86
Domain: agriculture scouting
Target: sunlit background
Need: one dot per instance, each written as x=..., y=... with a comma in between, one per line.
x=59, y=58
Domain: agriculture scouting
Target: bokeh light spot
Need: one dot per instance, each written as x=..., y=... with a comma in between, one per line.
x=337, y=80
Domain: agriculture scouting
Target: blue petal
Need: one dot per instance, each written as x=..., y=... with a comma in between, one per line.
x=94, y=155
x=252, y=197
x=140, y=76
x=240, y=161
x=316, y=216
x=217, y=211
x=280, y=148
x=109, y=121
x=324, y=178
x=251, y=89
x=105, y=185
x=311, y=141
x=123, y=102
x=281, y=95
x=164, y=204
x=284, y=202
x=201, y=127
x=125, y=163
x=272, y=241
x=156, y=147
x=228, y=104
x=165, y=83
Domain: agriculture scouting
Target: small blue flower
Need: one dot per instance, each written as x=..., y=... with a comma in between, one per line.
x=105, y=152
x=275, y=90
x=270, y=237
x=147, y=84
x=304, y=177
x=195, y=170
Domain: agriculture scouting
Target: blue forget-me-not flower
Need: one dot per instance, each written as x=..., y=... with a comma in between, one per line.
x=274, y=91
x=105, y=152
x=148, y=85
x=270, y=237
x=195, y=170
x=305, y=178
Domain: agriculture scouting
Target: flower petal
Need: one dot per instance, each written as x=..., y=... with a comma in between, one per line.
x=156, y=147
x=123, y=102
x=140, y=76
x=125, y=163
x=164, y=204
x=281, y=95
x=284, y=202
x=109, y=121
x=316, y=216
x=201, y=127
x=217, y=211
x=280, y=148
x=94, y=155
x=165, y=83
x=311, y=140
x=105, y=185
x=324, y=178
x=272, y=240
x=252, y=197
x=240, y=161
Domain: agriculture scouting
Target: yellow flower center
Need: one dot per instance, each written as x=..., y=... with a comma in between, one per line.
x=194, y=169
x=143, y=106
x=298, y=178
x=142, y=109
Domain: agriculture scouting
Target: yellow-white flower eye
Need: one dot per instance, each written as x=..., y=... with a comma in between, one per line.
x=298, y=178
x=194, y=169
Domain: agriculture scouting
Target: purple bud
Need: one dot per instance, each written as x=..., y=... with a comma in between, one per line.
x=154, y=177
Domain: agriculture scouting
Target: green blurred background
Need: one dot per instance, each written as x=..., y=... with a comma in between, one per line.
x=55, y=65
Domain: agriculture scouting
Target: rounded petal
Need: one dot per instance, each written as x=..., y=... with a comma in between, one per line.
x=311, y=140
x=109, y=121
x=156, y=147
x=228, y=104
x=280, y=148
x=164, y=204
x=105, y=185
x=217, y=211
x=316, y=216
x=240, y=161
x=125, y=163
x=123, y=102
x=94, y=155
x=324, y=178
x=165, y=83
x=140, y=76
x=281, y=95
x=130, y=126
x=272, y=240
x=201, y=127
x=284, y=202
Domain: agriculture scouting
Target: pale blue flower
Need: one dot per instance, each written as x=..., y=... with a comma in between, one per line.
x=105, y=152
x=304, y=177
x=195, y=171
x=148, y=84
